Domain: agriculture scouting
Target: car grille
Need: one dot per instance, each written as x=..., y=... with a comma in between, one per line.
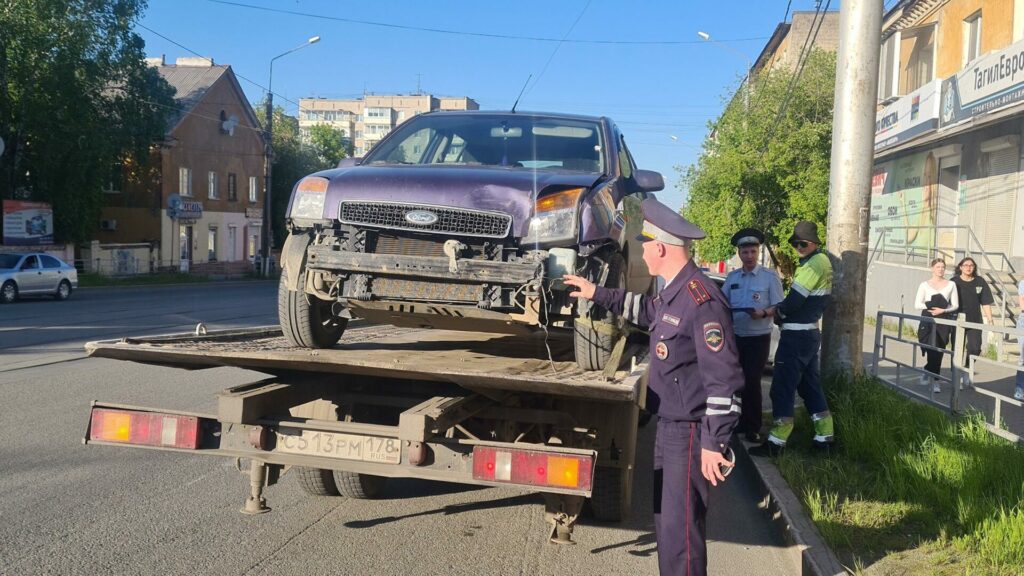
x=454, y=221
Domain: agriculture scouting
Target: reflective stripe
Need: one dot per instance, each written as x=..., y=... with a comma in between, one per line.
x=800, y=289
x=820, y=415
x=717, y=412
x=636, y=306
x=627, y=306
x=795, y=326
x=776, y=441
x=821, y=292
x=818, y=438
x=719, y=400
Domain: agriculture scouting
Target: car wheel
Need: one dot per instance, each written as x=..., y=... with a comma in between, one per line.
x=63, y=290
x=8, y=292
x=307, y=321
x=596, y=332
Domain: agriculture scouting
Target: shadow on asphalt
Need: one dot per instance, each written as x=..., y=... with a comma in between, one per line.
x=509, y=502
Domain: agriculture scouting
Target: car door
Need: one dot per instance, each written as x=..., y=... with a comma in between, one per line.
x=29, y=275
x=52, y=274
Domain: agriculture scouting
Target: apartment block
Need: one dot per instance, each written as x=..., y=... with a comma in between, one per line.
x=364, y=121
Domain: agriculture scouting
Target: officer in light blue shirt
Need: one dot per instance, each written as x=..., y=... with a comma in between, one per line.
x=752, y=291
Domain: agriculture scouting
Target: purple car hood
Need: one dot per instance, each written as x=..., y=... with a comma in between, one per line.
x=508, y=190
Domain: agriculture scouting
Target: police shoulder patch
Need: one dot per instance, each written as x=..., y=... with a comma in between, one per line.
x=713, y=336
x=698, y=292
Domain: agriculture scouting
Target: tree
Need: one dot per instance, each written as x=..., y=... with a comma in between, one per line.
x=765, y=169
x=76, y=99
x=329, y=144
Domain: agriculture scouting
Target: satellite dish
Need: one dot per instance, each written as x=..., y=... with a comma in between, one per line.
x=228, y=126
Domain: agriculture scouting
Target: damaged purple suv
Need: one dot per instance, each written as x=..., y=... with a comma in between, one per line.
x=467, y=221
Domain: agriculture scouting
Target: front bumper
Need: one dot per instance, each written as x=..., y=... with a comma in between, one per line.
x=321, y=257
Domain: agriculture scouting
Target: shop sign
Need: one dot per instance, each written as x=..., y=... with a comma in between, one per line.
x=908, y=117
x=27, y=223
x=179, y=208
x=989, y=83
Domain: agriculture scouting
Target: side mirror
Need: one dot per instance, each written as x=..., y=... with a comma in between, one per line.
x=649, y=180
x=348, y=162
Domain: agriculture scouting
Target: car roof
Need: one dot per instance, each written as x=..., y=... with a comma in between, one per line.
x=556, y=115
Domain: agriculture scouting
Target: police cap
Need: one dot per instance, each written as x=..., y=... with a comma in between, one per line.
x=665, y=225
x=747, y=237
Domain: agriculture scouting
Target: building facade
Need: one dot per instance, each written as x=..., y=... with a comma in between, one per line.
x=364, y=121
x=782, y=51
x=200, y=202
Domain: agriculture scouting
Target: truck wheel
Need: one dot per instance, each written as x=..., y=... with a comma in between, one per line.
x=595, y=334
x=307, y=321
x=316, y=481
x=606, y=501
x=361, y=486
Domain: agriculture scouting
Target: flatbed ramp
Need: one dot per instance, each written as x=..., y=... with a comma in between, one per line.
x=470, y=359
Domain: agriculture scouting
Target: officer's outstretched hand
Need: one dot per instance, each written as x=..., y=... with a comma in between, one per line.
x=709, y=465
x=583, y=287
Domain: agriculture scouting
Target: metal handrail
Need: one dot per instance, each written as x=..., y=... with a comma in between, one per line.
x=957, y=370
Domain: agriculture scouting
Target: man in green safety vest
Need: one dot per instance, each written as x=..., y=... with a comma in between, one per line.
x=796, y=359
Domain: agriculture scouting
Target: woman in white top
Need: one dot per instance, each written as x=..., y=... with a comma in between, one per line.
x=937, y=298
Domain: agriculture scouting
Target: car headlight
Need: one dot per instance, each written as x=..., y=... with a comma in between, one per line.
x=555, y=217
x=310, y=196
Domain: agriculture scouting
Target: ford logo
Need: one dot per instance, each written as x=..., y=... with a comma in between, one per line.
x=420, y=217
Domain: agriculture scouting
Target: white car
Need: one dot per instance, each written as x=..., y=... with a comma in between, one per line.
x=35, y=274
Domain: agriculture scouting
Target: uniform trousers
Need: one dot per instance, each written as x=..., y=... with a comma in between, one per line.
x=753, y=352
x=796, y=371
x=680, y=500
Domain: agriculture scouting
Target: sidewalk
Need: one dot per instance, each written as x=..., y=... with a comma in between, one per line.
x=988, y=377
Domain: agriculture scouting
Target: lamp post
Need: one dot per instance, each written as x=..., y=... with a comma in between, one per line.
x=746, y=61
x=269, y=154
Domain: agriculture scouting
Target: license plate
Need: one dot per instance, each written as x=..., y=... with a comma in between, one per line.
x=340, y=445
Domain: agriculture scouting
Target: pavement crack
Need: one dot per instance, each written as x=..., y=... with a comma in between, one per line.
x=291, y=539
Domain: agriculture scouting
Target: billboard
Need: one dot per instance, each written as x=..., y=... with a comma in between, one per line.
x=909, y=117
x=904, y=199
x=987, y=84
x=27, y=223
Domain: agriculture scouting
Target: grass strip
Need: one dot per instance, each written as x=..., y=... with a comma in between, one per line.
x=910, y=489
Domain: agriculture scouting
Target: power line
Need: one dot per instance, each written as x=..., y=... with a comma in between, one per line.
x=557, y=46
x=473, y=34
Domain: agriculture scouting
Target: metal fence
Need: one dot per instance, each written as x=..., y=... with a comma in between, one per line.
x=890, y=350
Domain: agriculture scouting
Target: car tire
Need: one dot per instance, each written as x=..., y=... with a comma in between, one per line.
x=595, y=334
x=63, y=290
x=8, y=292
x=359, y=486
x=316, y=481
x=307, y=321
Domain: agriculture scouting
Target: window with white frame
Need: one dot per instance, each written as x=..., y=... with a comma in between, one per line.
x=211, y=185
x=185, y=181
x=888, y=72
x=253, y=188
x=972, y=37
x=212, y=245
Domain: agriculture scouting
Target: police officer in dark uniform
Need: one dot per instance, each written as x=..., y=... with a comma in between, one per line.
x=694, y=384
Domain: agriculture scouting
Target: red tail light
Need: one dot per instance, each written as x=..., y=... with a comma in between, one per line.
x=144, y=428
x=533, y=468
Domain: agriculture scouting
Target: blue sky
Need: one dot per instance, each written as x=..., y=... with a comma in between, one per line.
x=660, y=95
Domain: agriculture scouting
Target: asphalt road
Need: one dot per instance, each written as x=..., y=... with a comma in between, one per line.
x=66, y=508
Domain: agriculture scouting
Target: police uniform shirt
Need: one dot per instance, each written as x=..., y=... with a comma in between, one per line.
x=695, y=374
x=759, y=289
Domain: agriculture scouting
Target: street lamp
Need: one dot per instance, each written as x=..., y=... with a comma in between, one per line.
x=746, y=61
x=269, y=153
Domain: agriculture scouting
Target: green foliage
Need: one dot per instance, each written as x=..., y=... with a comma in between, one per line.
x=910, y=489
x=76, y=100
x=328, y=143
x=762, y=170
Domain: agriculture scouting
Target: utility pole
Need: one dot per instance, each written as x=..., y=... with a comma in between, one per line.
x=849, y=206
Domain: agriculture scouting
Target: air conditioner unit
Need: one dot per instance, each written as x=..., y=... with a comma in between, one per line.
x=109, y=225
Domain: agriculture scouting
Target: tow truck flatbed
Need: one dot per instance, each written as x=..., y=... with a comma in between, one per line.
x=469, y=359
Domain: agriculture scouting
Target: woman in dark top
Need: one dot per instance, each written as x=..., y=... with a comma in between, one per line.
x=975, y=302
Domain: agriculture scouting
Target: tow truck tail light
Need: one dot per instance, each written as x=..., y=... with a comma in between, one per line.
x=533, y=468
x=144, y=428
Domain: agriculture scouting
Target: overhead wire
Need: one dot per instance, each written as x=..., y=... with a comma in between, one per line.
x=467, y=33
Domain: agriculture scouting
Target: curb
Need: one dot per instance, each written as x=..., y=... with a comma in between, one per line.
x=809, y=550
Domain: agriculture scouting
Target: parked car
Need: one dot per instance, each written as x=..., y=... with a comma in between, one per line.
x=35, y=274
x=467, y=221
